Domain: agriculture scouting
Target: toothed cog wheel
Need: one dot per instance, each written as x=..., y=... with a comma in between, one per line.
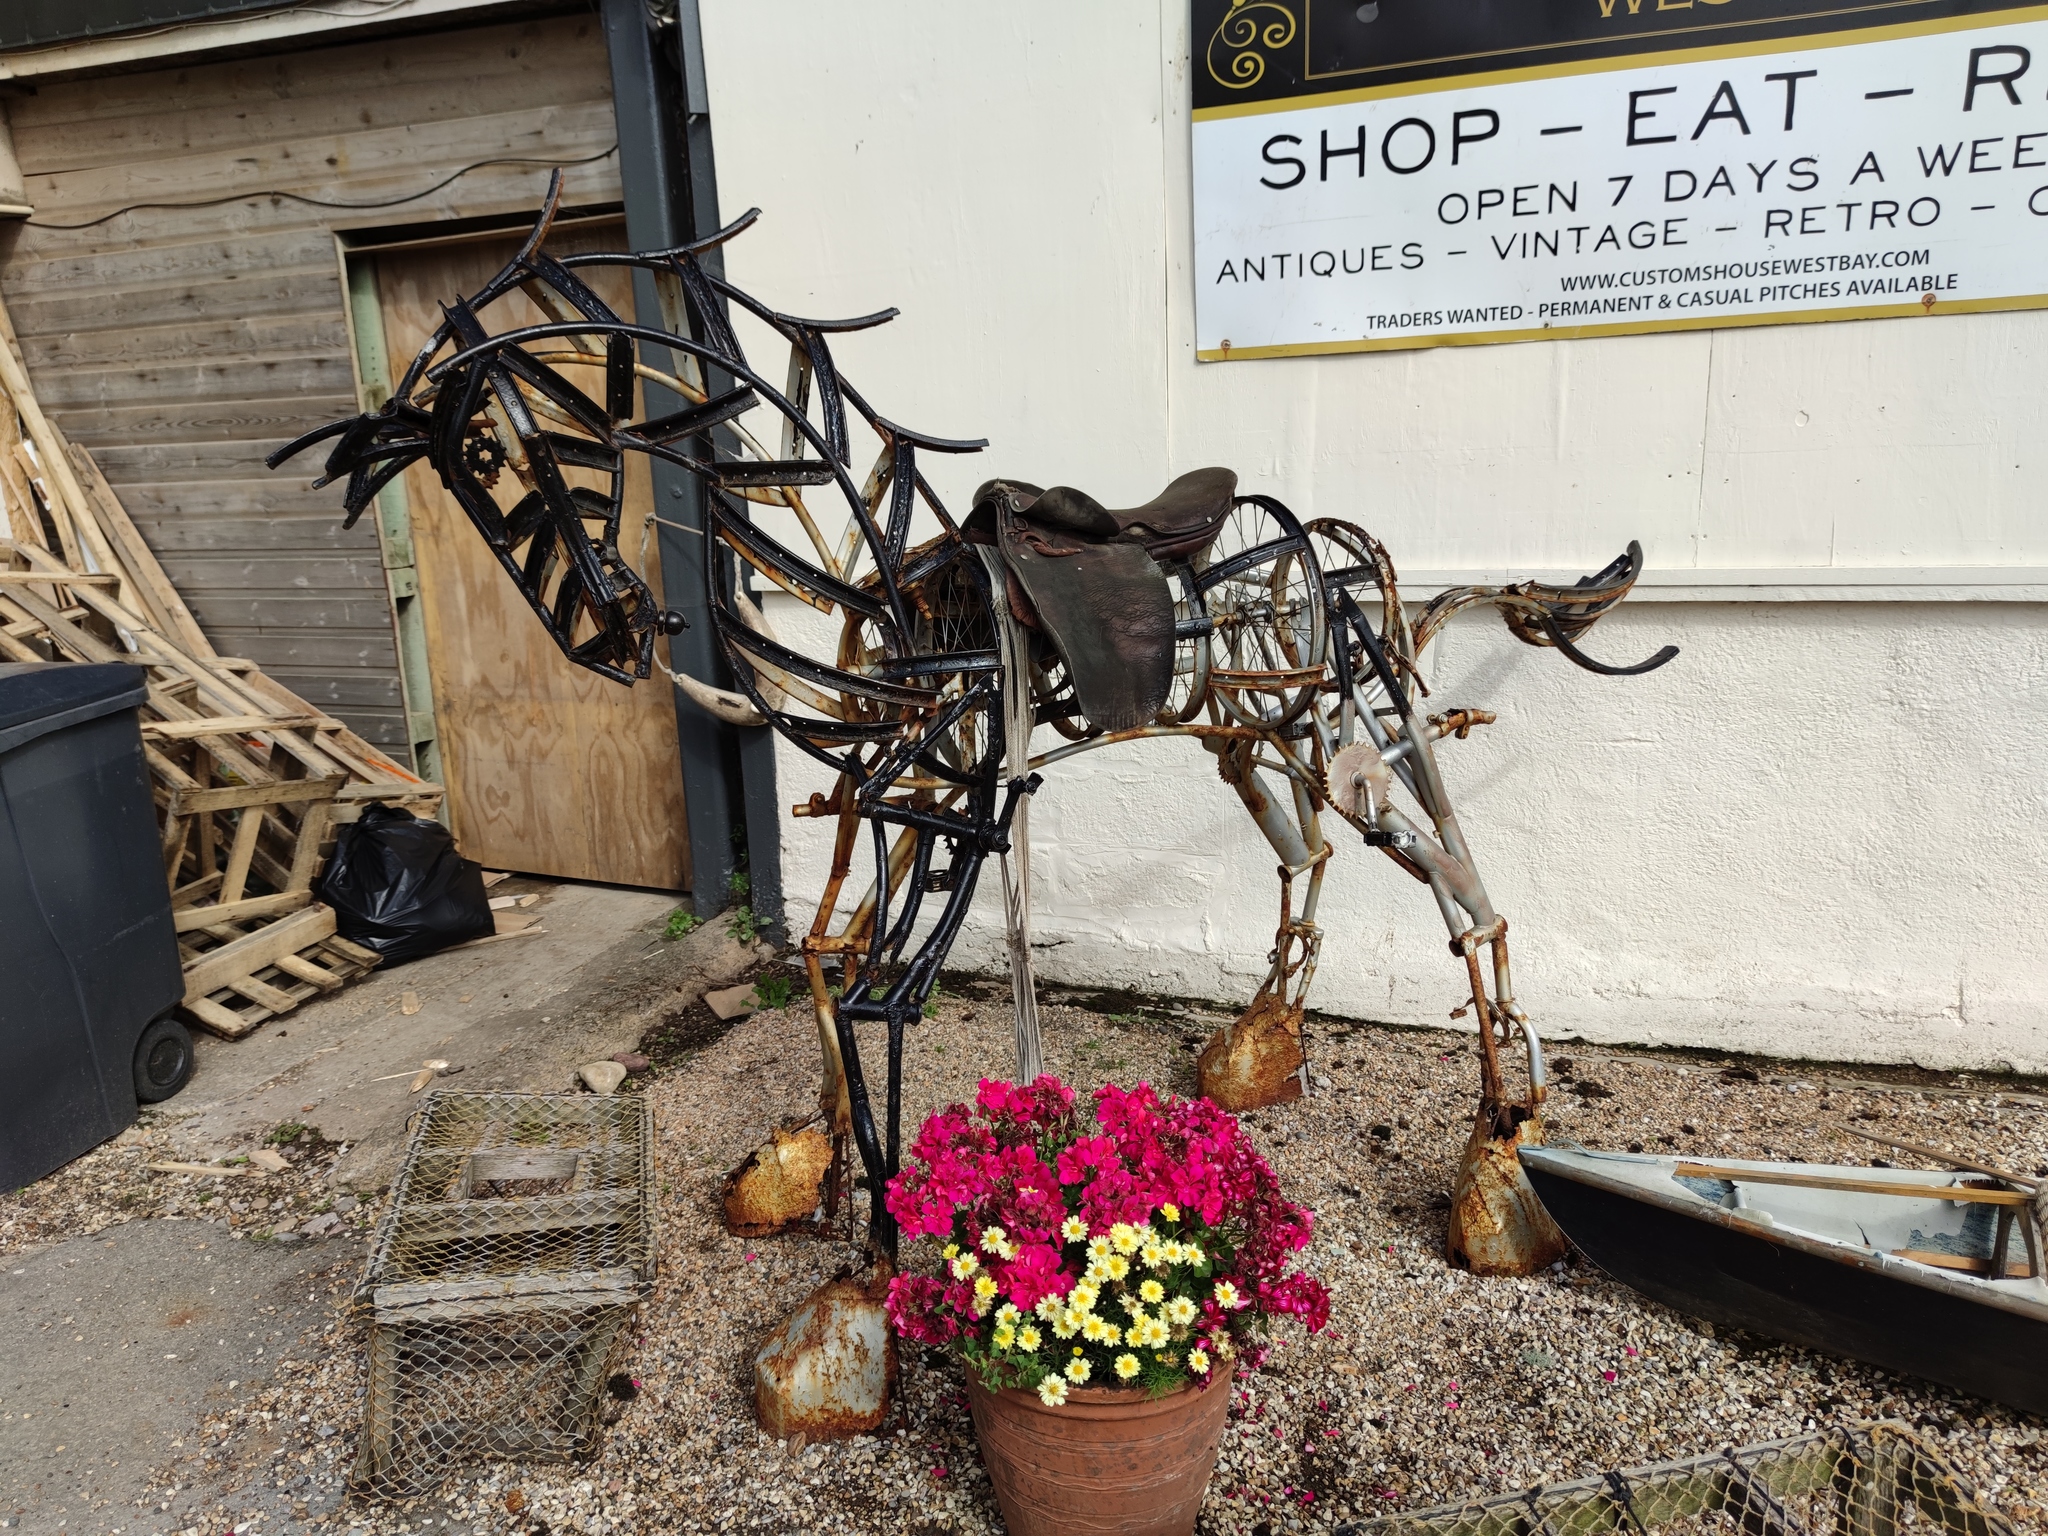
x=1355, y=773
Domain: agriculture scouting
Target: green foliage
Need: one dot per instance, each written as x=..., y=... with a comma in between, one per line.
x=931, y=1004
x=740, y=883
x=745, y=926
x=286, y=1133
x=772, y=992
x=682, y=921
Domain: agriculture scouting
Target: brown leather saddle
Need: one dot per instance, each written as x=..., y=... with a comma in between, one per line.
x=1090, y=581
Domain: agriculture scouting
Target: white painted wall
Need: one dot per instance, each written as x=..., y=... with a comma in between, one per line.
x=1816, y=833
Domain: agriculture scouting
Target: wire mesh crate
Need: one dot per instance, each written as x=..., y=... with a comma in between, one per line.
x=518, y=1242
x=1857, y=1480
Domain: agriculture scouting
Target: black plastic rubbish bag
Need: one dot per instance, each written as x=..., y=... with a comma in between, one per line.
x=398, y=886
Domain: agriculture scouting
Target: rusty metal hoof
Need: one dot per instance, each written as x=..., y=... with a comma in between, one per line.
x=1498, y=1226
x=1255, y=1059
x=827, y=1373
x=777, y=1188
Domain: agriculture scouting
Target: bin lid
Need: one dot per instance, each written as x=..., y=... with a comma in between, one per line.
x=38, y=697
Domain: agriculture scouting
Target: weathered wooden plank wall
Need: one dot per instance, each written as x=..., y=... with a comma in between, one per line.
x=182, y=344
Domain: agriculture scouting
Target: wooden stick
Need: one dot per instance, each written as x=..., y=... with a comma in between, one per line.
x=1967, y=1266
x=248, y=910
x=226, y=725
x=1957, y=1192
x=1944, y=1157
x=140, y=558
x=206, y=1168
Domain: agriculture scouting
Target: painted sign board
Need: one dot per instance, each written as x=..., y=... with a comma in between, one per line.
x=1406, y=173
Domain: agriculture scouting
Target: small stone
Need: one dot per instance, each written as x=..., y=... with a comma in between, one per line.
x=732, y=1002
x=632, y=1061
x=321, y=1225
x=602, y=1076
x=346, y=1204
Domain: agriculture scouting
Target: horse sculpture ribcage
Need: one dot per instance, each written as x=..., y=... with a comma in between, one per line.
x=933, y=648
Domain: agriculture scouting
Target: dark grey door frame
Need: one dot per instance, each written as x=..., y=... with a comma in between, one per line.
x=671, y=194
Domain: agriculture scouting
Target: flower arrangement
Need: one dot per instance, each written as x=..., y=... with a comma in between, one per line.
x=1145, y=1251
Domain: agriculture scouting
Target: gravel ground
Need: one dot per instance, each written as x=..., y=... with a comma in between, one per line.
x=1428, y=1386
x=114, y=1183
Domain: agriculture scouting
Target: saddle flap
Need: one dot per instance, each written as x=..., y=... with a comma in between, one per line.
x=1108, y=610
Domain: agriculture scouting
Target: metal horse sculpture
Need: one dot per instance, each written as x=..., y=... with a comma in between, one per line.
x=1283, y=648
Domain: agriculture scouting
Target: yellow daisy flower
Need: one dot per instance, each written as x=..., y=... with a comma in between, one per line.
x=1116, y=1266
x=1007, y=1313
x=1198, y=1361
x=992, y=1239
x=1073, y=1229
x=1048, y=1308
x=1124, y=1237
x=1170, y=1212
x=1027, y=1339
x=1079, y=1370
x=1127, y=1366
x=1180, y=1310
x=1052, y=1391
x=1067, y=1324
x=1227, y=1297
x=1005, y=1337
x=965, y=1265
x=1152, y=1291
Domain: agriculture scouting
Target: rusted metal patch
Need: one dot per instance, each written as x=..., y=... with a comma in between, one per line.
x=1256, y=1059
x=1498, y=1226
x=779, y=1187
x=828, y=1372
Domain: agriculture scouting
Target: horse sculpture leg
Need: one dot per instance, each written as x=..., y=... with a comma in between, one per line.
x=783, y=1183
x=1497, y=1226
x=1258, y=1058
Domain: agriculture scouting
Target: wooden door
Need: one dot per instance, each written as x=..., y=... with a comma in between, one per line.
x=551, y=769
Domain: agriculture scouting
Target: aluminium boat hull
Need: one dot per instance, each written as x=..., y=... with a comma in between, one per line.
x=1734, y=1270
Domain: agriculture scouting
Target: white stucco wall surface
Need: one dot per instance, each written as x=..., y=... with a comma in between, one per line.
x=1816, y=833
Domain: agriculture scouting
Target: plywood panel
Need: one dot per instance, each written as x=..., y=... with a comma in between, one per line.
x=550, y=768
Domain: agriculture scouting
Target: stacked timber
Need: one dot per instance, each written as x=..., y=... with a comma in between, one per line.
x=250, y=780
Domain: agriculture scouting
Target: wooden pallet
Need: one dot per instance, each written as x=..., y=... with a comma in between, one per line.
x=238, y=976
x=250, y=780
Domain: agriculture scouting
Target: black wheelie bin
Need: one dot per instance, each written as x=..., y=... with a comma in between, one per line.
x=89, y=969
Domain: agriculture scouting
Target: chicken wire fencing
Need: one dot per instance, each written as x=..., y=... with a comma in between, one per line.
x=502, y=1281
x=1861, y=1480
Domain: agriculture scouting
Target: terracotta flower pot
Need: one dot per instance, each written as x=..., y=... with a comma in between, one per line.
x=1105, y=1461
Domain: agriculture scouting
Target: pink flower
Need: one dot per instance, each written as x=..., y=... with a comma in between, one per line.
x=1607, y=1375
x=1019, y=1160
